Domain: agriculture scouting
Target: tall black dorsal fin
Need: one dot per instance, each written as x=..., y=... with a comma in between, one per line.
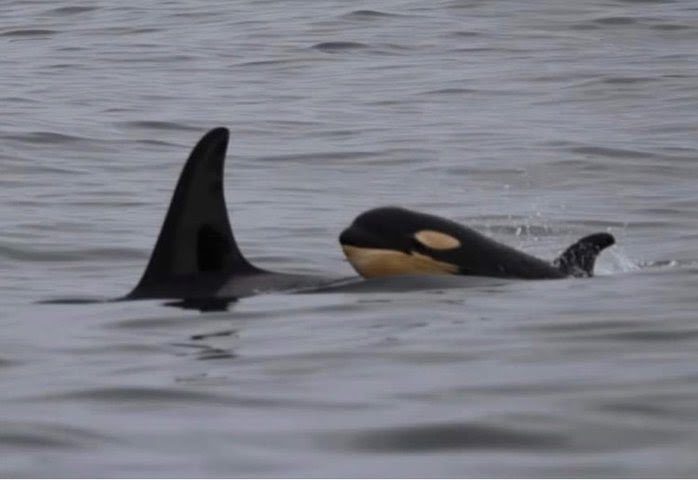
x=578, y=260
x=196, y=250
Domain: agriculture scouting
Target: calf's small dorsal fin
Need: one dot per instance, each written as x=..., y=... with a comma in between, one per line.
x=196, y=247
x=579, y=258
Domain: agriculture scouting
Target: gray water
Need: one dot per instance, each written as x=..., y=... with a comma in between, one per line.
x=533, y=122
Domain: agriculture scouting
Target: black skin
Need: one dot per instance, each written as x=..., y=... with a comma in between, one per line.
x=393, y=228
x=196, y=258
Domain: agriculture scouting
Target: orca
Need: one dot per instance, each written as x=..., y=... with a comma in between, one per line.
x=196, y=258
x=394, y=241
x=196, y=262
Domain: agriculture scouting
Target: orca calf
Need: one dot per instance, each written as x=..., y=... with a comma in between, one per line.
x=196, y=259
x=393, y=241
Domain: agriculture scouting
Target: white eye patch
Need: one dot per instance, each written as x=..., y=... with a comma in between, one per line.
x=436, y=240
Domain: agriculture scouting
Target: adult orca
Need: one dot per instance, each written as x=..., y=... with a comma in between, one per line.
x=196, y=259
x=393, y=241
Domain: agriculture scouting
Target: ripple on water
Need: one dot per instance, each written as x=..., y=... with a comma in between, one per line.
x=5, y=363
x=72, y=10
x=594, y=150
x=139, y=396
x=159, y=125
x=202, y=351
x=661, y=406
x=311, y=157
x=47, y=138
x=647, y=336
x=339, y=46
x=620, y=21
x=616, y=20
x=36, y=254
x=24, y=435
x=136, y=395
x=447, y=436
x=530, y=432
x=366, y=15
x=29, y=32
x=164, y=321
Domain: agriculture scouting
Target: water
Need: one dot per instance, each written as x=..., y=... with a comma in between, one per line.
x=533, y=122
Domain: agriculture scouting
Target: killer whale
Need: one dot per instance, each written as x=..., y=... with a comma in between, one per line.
x=196, y=262
x=196, y=258
x=394, y=241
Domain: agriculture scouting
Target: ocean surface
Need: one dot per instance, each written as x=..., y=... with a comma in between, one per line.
x=533, y=122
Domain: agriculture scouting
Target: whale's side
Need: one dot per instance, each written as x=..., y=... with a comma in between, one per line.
x=196, y=256
x=393, y=241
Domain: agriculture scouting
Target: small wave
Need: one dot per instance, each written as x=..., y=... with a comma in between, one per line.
x=451, y=436
x=672, y=27
x=159, y=125
x=452, y=91
x=157, y=143
x=599, y=327
x=219, y=333
x=465, y=34
x=487, y=171
x=15, y=252
x=38, y=435
x=335, y=47
x=167, y=322
x=627, y=80
x=169, y=397
x=606, y=22
x=4, y=363
x=118, y=31
x=151, y=59
x=318, y=156
x=207, y=352
x=71, y=10
x=274, y=62
x=47, y=138
x=647, y=336
x=367, y=15
x=64, y=66
x=616, y=21
x=18, y=100
x=29, y=32
x=670, y=406
x=163, y=396
x=610, y=152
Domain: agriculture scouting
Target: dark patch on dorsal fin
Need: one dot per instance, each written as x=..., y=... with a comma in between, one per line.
x=578, y=260
x=196, y=250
